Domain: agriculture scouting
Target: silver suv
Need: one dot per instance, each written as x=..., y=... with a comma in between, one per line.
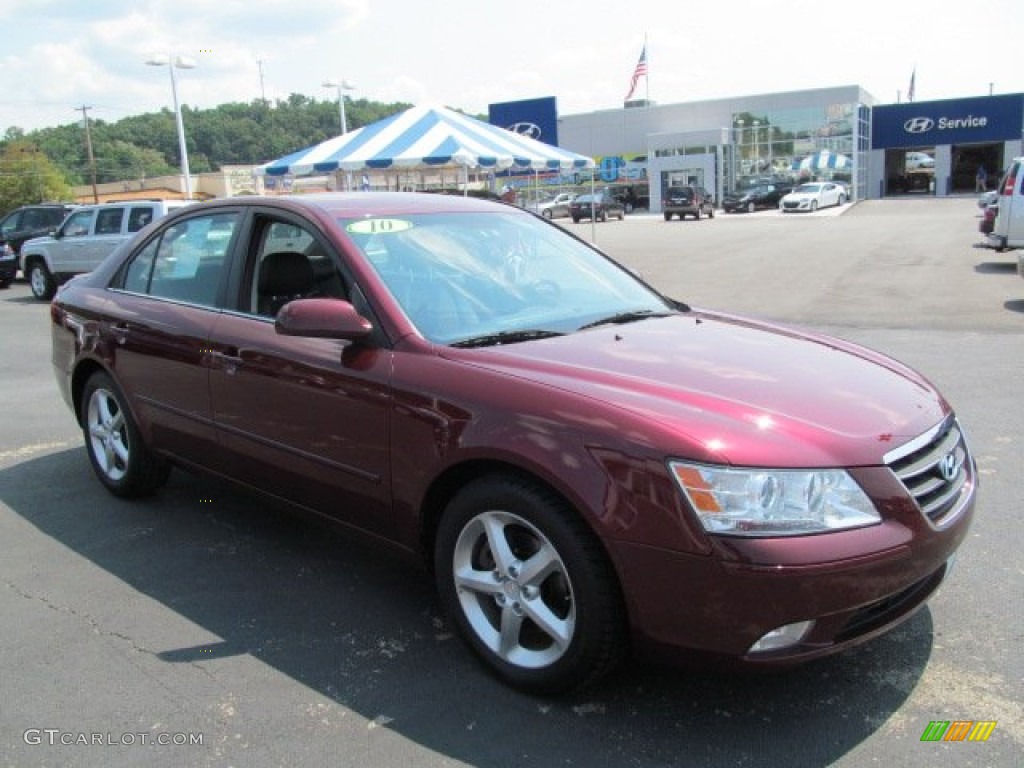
x=86, y=237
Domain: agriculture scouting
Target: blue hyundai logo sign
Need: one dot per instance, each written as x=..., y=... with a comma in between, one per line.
x=530, y=130
x=919, y=125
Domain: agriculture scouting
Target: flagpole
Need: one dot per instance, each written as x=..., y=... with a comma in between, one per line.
x=647, y=75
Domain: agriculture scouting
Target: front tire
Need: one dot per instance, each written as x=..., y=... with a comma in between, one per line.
x=41, y=281
x=120, y=459
x=814, y=205
x=546, y=213
x=528, y=586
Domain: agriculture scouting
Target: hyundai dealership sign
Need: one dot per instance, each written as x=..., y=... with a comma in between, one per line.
x=956, y=121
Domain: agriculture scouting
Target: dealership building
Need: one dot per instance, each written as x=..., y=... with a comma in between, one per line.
x=842, y=134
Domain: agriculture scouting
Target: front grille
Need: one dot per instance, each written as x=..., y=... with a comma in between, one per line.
x=934, y=469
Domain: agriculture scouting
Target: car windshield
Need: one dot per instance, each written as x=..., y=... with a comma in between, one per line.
x=808, y=188
x=496, y=275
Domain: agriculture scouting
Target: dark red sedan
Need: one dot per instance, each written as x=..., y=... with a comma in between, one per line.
x=588, y=466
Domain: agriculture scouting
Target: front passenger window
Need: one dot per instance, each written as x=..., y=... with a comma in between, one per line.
x=78, y=225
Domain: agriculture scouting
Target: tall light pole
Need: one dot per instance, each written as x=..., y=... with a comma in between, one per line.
x=177, y=62
x=342, y=85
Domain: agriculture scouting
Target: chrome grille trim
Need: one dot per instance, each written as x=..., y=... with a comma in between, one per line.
x=918, y=465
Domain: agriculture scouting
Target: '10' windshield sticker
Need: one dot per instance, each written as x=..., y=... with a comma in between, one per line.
x=378, y=226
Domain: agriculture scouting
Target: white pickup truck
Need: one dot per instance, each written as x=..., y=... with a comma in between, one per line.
x=1008, y=228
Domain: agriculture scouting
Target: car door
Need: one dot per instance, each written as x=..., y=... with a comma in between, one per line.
x=169, y=293
x=107, y=234
x=70, y=247
x=303, y=418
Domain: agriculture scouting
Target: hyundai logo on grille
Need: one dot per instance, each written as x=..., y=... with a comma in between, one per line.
x=530, y=130
x=918, y=125
x=948, y=467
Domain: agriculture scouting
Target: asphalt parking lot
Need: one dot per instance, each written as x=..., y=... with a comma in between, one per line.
x=205, y=615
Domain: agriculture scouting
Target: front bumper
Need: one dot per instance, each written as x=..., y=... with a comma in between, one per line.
x=8, y=268
x=853, y=585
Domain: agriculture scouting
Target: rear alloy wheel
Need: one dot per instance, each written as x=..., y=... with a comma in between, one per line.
x=528, y=586
x=41, y=281
x=120, y=459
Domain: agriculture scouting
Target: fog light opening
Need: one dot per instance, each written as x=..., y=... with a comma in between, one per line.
x=782, y=637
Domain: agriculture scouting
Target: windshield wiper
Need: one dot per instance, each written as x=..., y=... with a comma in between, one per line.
x=505, y=337
x=625, y=317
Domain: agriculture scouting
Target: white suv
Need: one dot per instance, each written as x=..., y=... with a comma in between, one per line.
x=86, y=237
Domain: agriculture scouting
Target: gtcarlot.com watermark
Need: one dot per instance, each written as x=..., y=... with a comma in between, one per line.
x=55, y=737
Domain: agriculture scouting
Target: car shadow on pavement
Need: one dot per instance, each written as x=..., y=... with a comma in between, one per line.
x=364, y=630
x=996, y=267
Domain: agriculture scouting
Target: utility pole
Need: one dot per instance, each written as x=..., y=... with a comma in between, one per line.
x=263, y=92
x=84, y=109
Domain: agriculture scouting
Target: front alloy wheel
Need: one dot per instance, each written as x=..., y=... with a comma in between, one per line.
x=528, y=586
x=41, y=281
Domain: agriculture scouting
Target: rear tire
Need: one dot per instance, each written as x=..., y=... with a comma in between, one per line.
x=528, y=586
x=668, y=217
x=119, y=457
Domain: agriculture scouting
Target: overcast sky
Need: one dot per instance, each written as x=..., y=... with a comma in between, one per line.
x=58, y=55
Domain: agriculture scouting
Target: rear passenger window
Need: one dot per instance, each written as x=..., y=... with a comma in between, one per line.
x=108, y=222
x=139, y=217
x=186, y=262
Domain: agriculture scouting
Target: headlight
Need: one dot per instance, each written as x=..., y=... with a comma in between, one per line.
x=773, y=502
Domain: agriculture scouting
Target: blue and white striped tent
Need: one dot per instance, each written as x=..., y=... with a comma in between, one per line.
x=427, y=137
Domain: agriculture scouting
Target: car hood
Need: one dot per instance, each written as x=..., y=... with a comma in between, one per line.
x=719, y=388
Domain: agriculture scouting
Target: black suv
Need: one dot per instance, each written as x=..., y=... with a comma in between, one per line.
x=23, y=224
x=687, y=201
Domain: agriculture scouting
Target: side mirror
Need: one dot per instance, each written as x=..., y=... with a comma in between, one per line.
x=322, y=318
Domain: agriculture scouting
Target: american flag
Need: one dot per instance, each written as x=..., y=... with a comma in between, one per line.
x=640, y=71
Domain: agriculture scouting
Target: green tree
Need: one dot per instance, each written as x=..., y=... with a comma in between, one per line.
x=28, y=176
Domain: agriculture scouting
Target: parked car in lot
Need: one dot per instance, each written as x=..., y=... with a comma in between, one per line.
x=23, y=224
x=1008, y=227
x=683, y=201
x=553, y=207
x=571, y=451
x=598, y=205
x=812, y=196
x=87, y=236
x=756, y=198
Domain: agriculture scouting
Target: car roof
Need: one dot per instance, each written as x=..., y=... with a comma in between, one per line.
x=346, y=205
